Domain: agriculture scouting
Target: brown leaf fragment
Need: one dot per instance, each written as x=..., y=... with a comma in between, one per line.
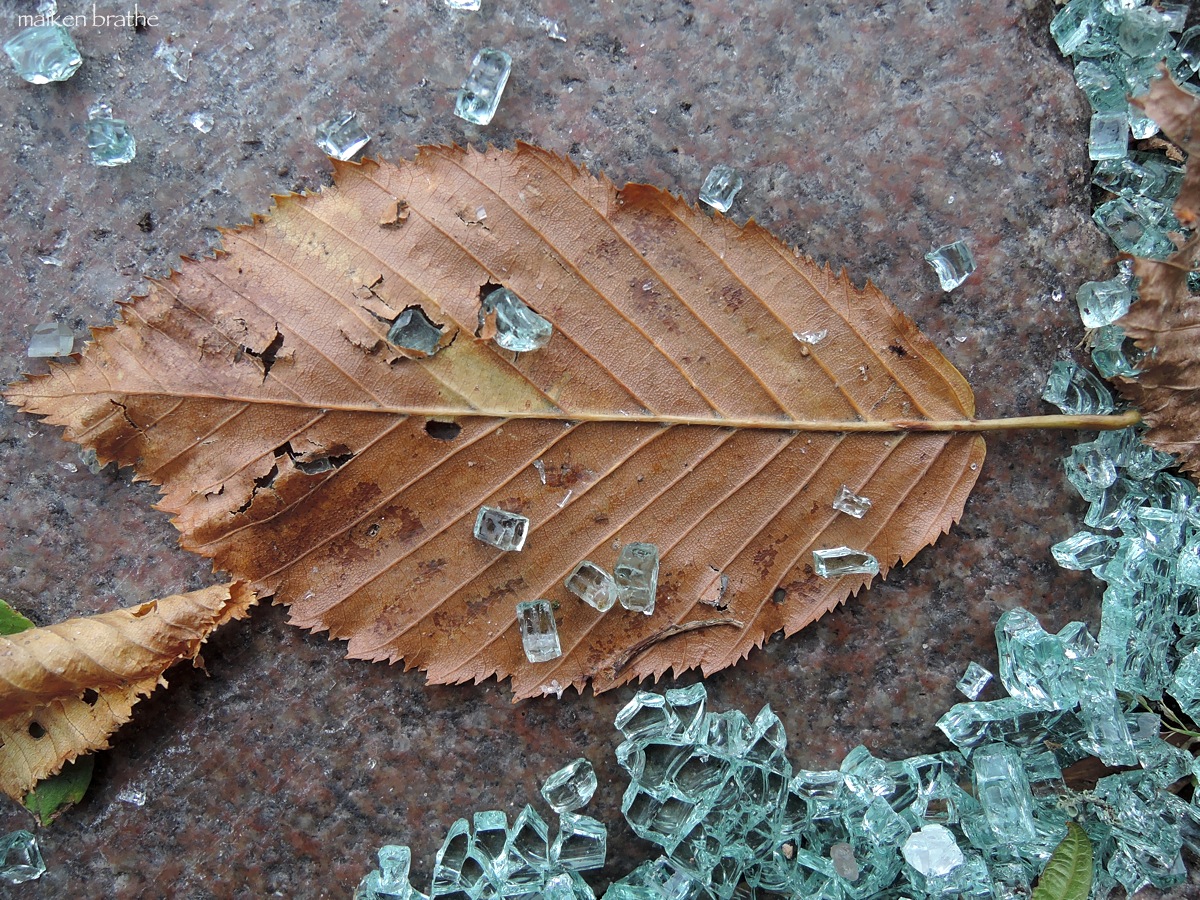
x=1177, y=113
x=1165, y=323
x=673, y=404
x=395, y=213
x=68, y=686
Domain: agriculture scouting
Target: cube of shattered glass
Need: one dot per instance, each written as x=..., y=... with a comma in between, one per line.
x=342, y=137
x=44, y=53
x=503, y=530
x=646, y=716
x=1072, y=26
x=688, y=706
x=1102, y=302
x=974, y=680
x=1034, y=666
x=1076, y=391
x=636, y=576
x=518, y=328
x=527, y=850
x=454, y=867
x=489, y=836
x=1104, y=87
x=592, y=585
x=1090, y=469
x=1108, y=137
x=1084, y=550
x=953, y=264
x=539, y=633
x=1187, y=569
x=390, y=880
x=480, y=94
x=571, y=787
x=727, y=734
x=1113, y=354
x=1189, y=47
x=20, y=858
x=110, y=141
x=1132, y=229
x=567, y=885
x=1185, y=685
x=720, y=188
x=51, y=339
x=851, y=503
x=1175, y=13
x=1004, y=793
x=659, y=879
x=933, y=851
x=581, y=843
x=969, y=725
x=413, y=330
x=1142, y=32
x=835, y=562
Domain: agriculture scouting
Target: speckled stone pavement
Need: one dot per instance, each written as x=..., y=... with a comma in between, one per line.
x=868, y=134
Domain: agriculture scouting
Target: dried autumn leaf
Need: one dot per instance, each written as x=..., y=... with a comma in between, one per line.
x=674, y=404
x=68, y=686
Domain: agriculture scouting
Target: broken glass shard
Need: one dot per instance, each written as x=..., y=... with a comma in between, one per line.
x=109, y=139
x=1104, y=88
x=851, y=503
x=413, y=330
x=974, y=680
x=1084, y=550
x=645, y=715
x=51, y=339
x=720, y=188
x=580, y=844
x=554, y=29
x=480, y=93
x=1003, y=791
x=1189, y=47
x=44, y=53
x=390, y=880
x=1090, y=470
x=1175, y=14
x=953, y=264
x=1142, y=32
x=342, y=137
x=539, y=633
x=503, y=530
x=1102, y=302
x=1077, y=391
x=518, y=328
x=465, y=5
x=201, y=121
x=20, y=858
x=1187, y=569
x=933, y=851
x=592, y=585
x=1109, y=135
x=453, y=868
x=811, y=338
x=636, y=576
x=1130, y=230
x=1071, y=27
x=838, y=561
x=528, y=848
x=571, y=787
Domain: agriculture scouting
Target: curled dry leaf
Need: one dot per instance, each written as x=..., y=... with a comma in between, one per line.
x=674, y=404
x=67, y=687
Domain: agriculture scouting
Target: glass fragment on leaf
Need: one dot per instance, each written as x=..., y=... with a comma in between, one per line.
x=342, y=137
x=953, y=264
x=51, y=339
x=539, y=632
x=517, y=327
x=812, y=338
x=480, y=94
x=636, y=576
x=503, y=530
x=720, y=188
x=851, y=503
x=415, y=331
x=43, y=53
x=592, y=585
x=838, y=561
x=571, y=787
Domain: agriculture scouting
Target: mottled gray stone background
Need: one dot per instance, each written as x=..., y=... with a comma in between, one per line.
x=868, y=132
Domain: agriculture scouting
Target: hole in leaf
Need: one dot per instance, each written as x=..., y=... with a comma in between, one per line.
x=442, y=431
x=36, y=731
x=778, y=595
x=323, y=463
x=269, y=354
x=89, y=697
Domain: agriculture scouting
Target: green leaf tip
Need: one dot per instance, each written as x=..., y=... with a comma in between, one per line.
x=11, y=621
x=1068, y=875
x=51, y=796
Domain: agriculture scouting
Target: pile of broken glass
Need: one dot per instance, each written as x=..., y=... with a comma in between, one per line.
x=715, y=790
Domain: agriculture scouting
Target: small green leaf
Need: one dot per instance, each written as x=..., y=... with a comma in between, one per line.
x=1068, y=875
x=12, y=621
x=51, y=796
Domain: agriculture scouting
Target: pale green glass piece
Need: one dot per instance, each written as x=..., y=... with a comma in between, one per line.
x=1115, y=505
x=1130, y=231
x=464, y=5
x=390, y=880
x=342, y=138
x=838, y=561
x=501, y=529
x=1106, y=729
x=51, y=339
x=480, y=94
x=636, y=575
x=539, y=632
x=974, y=680
x=969, y=725
x=1113, y=355
x=865, y=776
x=933, y=851
x=1189, y=47
x=1004, y=793
x=688, y=705
x=1102, y=302
x=1188, y=568
x=1042, y=767
x=1034, y=668
x=953, y=264
x=1072, y=26
x=1083, y=551
x=646, y=716
x=527, y=851
x=454, y=869
x=1105, y=89
x=1185, y=685
x=1076, y=391
x=1160, y=529
x=1142, y=32
x=767, y=742
x=571, y=787
x=44, y=53
x=1109, y=135
x=414, y=331
x=720, y=188
x=558, y=888
x=851, y=503
x=1175, y=13
x=581, y=843
x=592, y=585
x=109, y=140
x=20, y=858
x=1090, y=470
x=518, y=328
x=489, y=837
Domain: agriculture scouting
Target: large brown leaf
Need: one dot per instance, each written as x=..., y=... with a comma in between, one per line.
x=674, y=404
